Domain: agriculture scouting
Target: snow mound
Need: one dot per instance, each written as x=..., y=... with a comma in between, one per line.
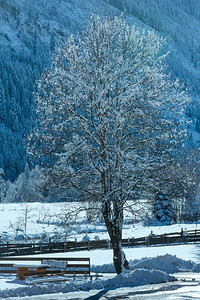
x=166, y=263
x=196, y=268
x=85, y=238
x=129, y=279
x=139, y=277
x=106, y=268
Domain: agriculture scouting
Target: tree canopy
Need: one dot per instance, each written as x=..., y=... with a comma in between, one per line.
x=108, y=114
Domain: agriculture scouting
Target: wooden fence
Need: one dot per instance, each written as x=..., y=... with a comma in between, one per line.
x=183, y=237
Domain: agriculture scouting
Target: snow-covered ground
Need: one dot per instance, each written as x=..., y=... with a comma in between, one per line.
x=153, y=269
x=43, y=222
x=160, y=266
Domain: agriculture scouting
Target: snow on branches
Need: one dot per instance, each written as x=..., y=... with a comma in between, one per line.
x=107, y=112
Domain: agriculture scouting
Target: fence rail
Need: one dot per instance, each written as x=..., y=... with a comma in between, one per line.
x=183, y=237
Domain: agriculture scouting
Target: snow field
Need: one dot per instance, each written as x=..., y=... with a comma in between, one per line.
x=44, y=218
x=148, y=265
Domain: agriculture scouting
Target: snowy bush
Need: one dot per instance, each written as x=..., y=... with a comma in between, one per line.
x=27, y=187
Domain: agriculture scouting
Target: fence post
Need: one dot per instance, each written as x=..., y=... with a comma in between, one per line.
x=181, y=231
x=128, y=243
x=88, y=245
x=64, y=247
x=40, y=248
x=108, y=244
x=7, y=249
x=165, y=235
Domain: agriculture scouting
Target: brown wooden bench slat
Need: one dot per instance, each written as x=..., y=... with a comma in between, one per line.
x=77, y=265
x=8, y=271
x=77, y=272
x=6, y=265
x=42, y=273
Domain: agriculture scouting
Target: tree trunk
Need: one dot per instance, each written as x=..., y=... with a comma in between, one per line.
x=117, y=256
x=114, y=229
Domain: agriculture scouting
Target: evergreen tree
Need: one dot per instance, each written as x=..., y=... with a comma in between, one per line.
x=162, y=208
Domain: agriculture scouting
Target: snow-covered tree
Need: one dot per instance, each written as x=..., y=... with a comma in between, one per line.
x=179, y=177
x=162, y=208
x=28, y=187
x=107, y=113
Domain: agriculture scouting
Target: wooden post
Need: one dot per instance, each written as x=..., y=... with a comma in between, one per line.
x=40, y=248
x=128, y=243
x=64, y=247
x=108, y=244
x=165, y=235
x=7, y=249
x=88, y=245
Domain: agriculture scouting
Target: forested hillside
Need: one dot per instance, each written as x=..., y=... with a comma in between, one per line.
x=31, y=30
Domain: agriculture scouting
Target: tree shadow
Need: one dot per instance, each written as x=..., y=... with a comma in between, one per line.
x=148, y=291
x=99, y=294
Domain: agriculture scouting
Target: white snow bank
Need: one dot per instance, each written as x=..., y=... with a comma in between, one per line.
x=129, y=279
x=105, y=268
x=139, y=277
x=166, y=263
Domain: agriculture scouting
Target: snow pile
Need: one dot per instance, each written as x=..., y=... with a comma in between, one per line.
x=139, y=277
x=129, y=279
x=105, y=268
x=37, y=289
x=166, y=263
x=85, y=238
x=196, y=268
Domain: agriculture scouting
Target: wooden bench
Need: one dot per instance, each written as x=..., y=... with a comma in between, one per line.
x=28, y=270
x=73, y=266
